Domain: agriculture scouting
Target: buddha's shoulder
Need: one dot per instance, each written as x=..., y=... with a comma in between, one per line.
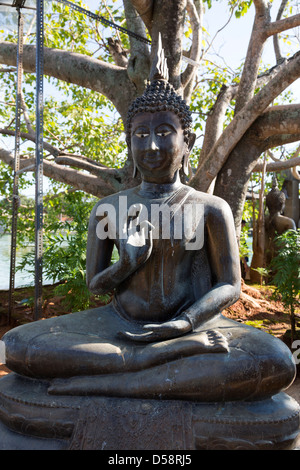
x=115, y=200
x=211, y=203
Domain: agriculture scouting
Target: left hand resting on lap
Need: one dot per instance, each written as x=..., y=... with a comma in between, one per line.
x=160, y=331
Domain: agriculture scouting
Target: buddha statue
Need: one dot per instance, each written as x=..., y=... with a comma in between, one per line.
x=276, y=223
x=163, y=337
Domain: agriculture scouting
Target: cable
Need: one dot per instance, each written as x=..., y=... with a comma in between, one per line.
x=104, y=21
x=116, y=26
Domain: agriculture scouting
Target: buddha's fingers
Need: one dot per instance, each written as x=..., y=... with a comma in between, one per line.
x=143, y=337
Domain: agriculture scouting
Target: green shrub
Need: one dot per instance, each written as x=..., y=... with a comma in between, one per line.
x=64, y=256
x=286, y=272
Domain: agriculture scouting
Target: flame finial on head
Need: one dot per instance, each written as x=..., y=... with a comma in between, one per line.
x=159, y=70
x=160, y=95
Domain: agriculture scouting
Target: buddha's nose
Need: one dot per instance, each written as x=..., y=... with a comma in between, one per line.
x=153, y=144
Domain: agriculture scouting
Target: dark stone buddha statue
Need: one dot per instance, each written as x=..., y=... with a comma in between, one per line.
x=276, y=223
x=163, y=337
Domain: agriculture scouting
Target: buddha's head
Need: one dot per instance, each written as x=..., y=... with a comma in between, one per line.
x=159, y=127
x=275, y=199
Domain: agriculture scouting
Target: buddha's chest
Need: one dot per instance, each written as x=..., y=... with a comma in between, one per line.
x=177, y=225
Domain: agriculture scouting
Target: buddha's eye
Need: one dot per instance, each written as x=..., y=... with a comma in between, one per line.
x=142, y=135
x=163, y=133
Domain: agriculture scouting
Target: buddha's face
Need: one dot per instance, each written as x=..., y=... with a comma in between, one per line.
x=157, y=145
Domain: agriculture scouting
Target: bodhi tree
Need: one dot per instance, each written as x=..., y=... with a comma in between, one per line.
x=239, y=116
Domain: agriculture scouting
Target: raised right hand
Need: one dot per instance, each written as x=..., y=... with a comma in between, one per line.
x=137, y=247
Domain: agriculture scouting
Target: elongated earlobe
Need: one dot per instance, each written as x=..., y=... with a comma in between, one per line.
x=185, y=161
x=185, y=164
x=192, y=139
x=134, y=173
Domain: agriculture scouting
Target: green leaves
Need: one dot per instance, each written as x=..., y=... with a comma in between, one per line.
x=286, y=266
x=65, y=237
x=242, y=7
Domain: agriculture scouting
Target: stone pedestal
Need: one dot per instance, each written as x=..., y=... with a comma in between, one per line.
x=32, y=419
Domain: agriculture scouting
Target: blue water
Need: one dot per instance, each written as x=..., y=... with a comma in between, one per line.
x=22, y=278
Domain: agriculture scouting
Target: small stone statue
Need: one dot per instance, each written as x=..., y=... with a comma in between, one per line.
x=275, y=201
x=163, y=337
x=276, y=223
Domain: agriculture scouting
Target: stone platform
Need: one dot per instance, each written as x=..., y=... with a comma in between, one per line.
x=32, y=419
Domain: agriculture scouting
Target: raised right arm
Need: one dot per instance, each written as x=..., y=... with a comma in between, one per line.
x=101, y=276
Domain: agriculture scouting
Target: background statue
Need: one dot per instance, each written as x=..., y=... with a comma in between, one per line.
x=276, y=223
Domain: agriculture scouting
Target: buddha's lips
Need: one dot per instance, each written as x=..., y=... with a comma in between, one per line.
x=152, y=157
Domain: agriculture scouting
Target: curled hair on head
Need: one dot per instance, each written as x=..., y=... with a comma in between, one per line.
x=160, y=95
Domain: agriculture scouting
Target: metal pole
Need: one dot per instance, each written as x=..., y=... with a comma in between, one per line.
x=39, y=160
x=15, y=202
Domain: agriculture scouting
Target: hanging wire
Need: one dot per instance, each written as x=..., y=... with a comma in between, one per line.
x=104, y=21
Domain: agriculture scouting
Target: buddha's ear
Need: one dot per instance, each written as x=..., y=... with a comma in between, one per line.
x=134, y=173
x=185, y=162
x=191, y=143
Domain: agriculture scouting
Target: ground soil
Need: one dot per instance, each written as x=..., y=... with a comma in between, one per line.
x=255, y=307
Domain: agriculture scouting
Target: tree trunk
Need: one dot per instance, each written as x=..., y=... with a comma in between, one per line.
x=170, y=26
x=232, y=180
x=258, y=259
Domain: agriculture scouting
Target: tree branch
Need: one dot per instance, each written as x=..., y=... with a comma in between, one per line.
x=101, y=185
x=168, y=20
x=79, y=69
x=2, y=70
x=261, y=6
x=83, y=164
x=117, y=52
x=277, y=120
x=216, y=116
x=136, y=25
x=250, y=71
x=280, y=140
x=275, y=37
x=31, y=136
x=195, y=13
x=139, y=61
x=145, y=10
x=266, y=76
x=282, y=25
x=215, y=120
x=62, y=158
x=278, y=166
x=209, y=168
